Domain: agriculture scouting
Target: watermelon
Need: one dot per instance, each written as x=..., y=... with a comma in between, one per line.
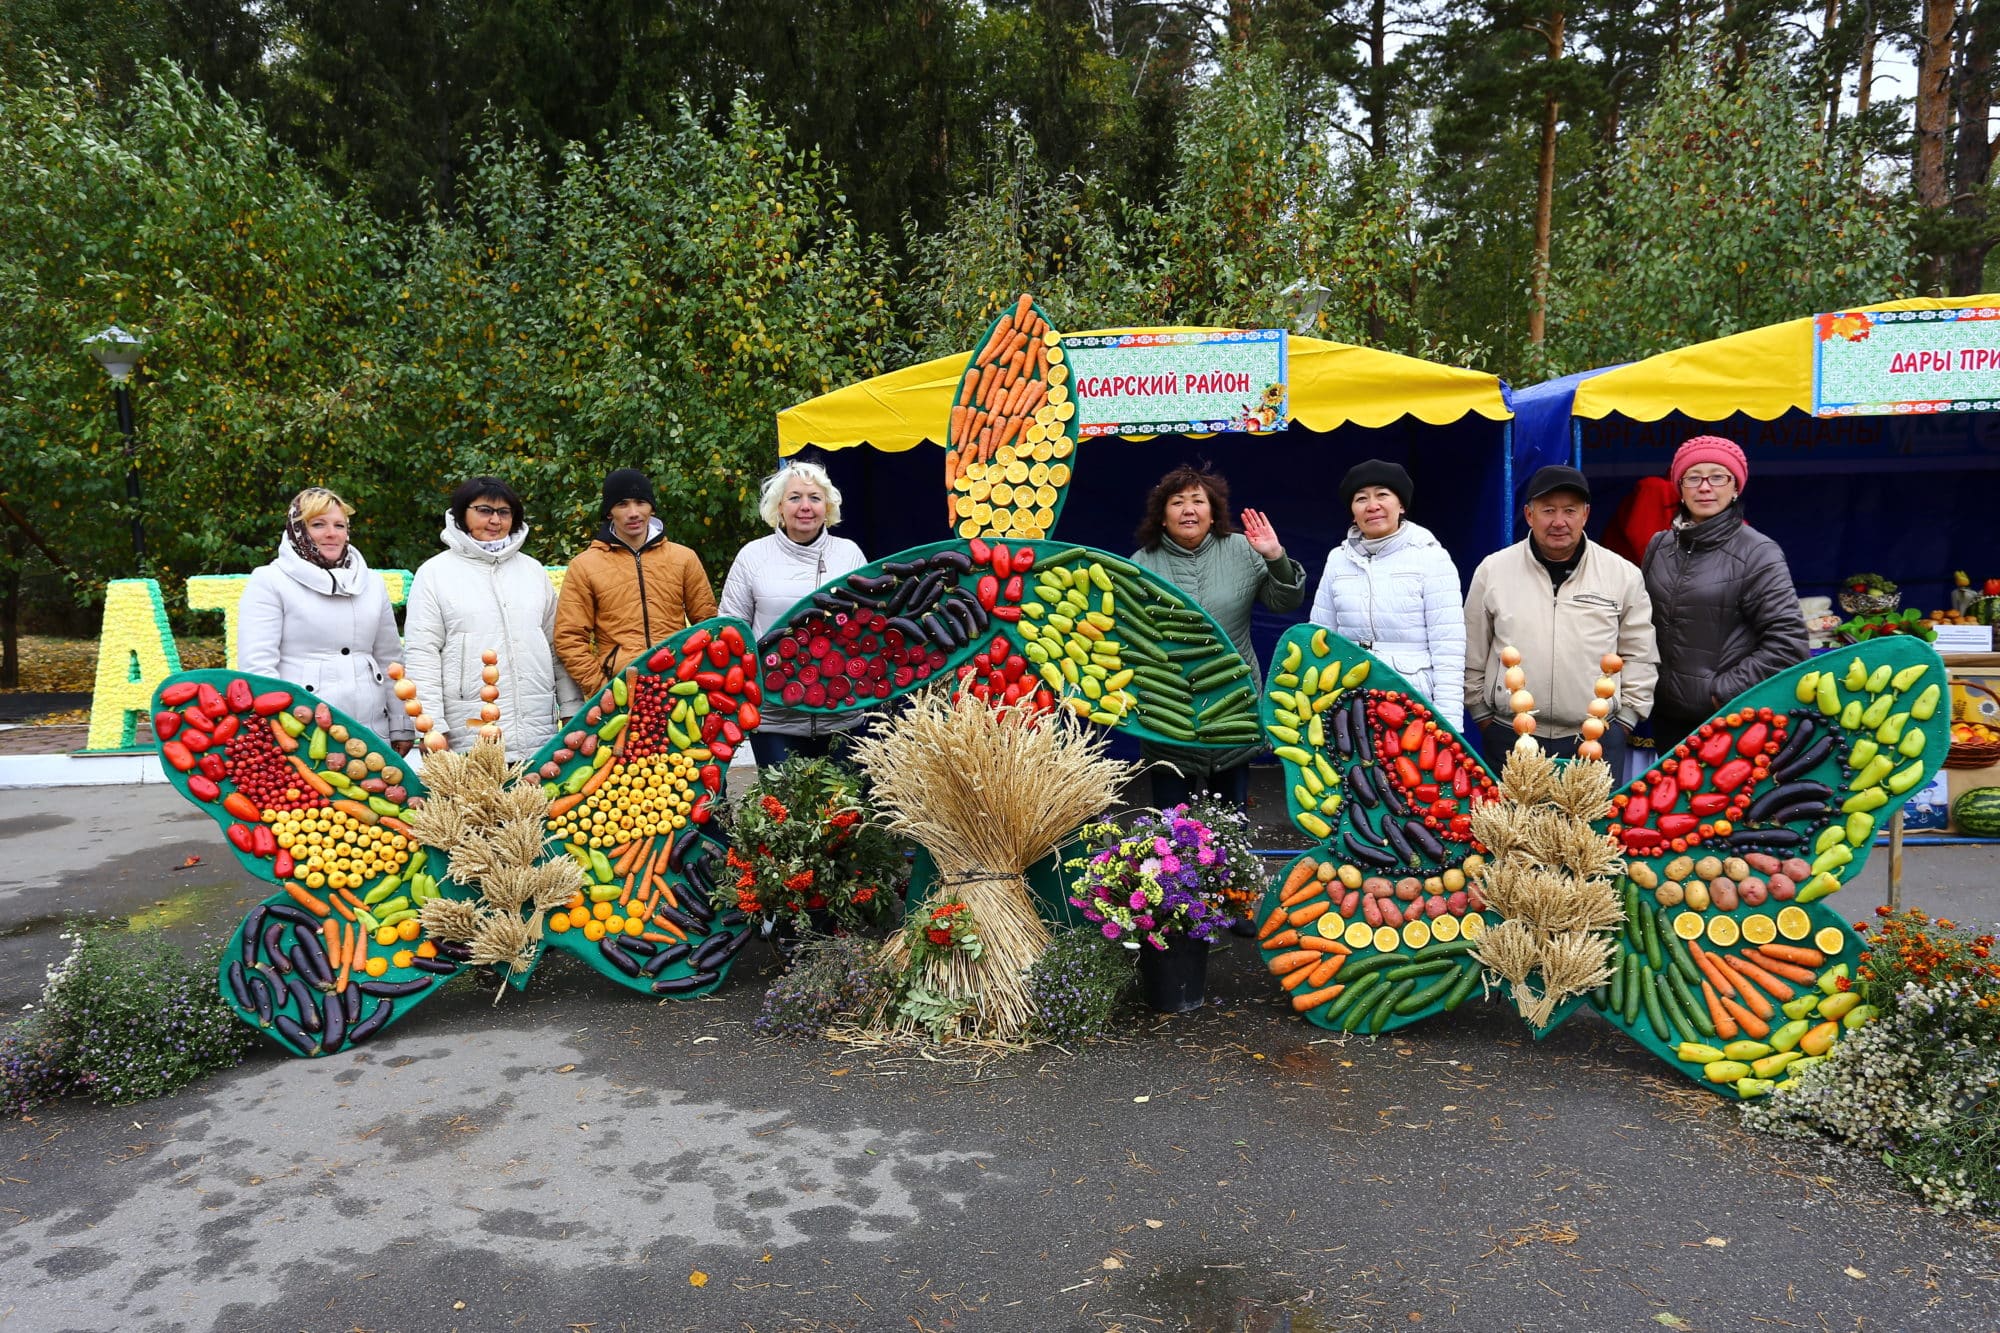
x=1976, y=813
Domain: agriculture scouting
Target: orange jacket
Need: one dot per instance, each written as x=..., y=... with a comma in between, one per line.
x=616, y=603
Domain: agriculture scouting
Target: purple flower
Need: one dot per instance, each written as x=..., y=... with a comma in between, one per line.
x=1160, y=846
x=1111, y=930
x=1137, y=900
x=1143, y=921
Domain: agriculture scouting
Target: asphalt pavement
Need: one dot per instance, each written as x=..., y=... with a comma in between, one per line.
x=579, y=1157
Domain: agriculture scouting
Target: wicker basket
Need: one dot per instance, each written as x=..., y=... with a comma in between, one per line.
x=1870, y=603
x=1971, y=754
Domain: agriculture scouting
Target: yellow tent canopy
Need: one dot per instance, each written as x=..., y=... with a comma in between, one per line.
x=1762, y=373
x=1332, y=384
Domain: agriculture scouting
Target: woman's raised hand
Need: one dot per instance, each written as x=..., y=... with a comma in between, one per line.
x=1263, y=537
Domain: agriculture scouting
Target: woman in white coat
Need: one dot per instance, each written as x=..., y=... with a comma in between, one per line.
x=773, y=573
x=318, y=617
x=485, y=593
x=1392, y=588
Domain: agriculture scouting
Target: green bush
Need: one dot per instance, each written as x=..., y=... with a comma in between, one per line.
x=1079, y=985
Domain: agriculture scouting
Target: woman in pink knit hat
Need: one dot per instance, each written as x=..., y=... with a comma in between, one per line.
x=1724, y=607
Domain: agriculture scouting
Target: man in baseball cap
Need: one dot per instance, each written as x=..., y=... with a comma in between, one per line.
x=1564, y=602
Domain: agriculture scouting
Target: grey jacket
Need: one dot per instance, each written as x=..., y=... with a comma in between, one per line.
x=1724, y=609
x=1226, y=577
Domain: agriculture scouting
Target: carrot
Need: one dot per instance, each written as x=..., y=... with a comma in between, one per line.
x=562, y=805
x=596, y=780
x=395, y=825
x=1296, y=978
x=1762, y=977
x=335, y=935
x=1794, y=953
x=667, y=895
x=1321, y=944
x=621, y=855
x=625, y=895
x=1024, y=310
x=286, y=741
x=351, y=898
x=1002, y=332
x=670, y=928
x=985, y=385
x=655, y=937
x=357, y=810
x=1711, y=969
x=1725, y=1026
x=346, y=957
x=1269, y=928
x=311, y=778
x=339, y=905
x=1750, y=1022
x=1296, y=878
x=1753, y=999
x=1324, y=972
x=1014, y=426
x=1310, y=912
x=1284, y=939
x=1291, y=962
x=1781, y=968
x=307, y=899
x=1314, y=999
x=1017, y=363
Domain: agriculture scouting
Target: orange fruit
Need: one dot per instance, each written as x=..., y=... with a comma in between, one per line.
x=593, y=930
x=376, y=966
x=408, y=930
x=385, y=935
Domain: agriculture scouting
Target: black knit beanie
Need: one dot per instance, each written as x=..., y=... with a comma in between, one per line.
x=626, y=483
x=1376, y=472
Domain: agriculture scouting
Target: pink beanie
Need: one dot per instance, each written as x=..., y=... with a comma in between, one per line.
x=1710, y=449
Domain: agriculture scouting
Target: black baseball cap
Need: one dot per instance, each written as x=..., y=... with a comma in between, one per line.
x=1555, y=477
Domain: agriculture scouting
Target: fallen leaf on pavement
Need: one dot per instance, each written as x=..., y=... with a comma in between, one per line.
x=1854, y=1272
x=1154, y=1223
x=697, y=1278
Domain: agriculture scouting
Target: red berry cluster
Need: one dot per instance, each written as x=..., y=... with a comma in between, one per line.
x=262, y=773
x=846, y=656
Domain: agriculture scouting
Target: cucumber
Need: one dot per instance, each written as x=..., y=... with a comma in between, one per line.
x=1651, y=929
x=1398, y=991
x=1422, y=969
x=1618, y=985
x=1670, y=1005
x=1235, y=699
x=1347, y=998
x=1649, y=996
x=1456, y=996
x=1675, y=948
x=1601, y=997
x=1632, y=984
x=1418, y=1001
x=1630, y=931
x=1446, y=948
x=1691, y=1004
x=1360, y=967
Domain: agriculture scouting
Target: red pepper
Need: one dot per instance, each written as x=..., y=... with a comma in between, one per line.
x=698, y=812
x=1689, y=774
x=711, y=727
x=721, y=703
x=1641, y=840
x=263, y=842
x=1427, y=756
x=752, y=693
x=723, y=750
x=709, y=680
x=1002, y=559
x=239, y=696
x=281, y=865
x=1406, y=771
x=732, y=639
x=196, y=740
x=689, y=665
x=211, y=767
x=747, y=716
x=195, y=718
x=1391, y=713
x=1708, y=803
x=1014, y=667
x=1008, y=613
x=225, y=729
x=733, y=682
x=1461, y=782
x=981, y=552
x=1427, y=792
x=1677, y=826
x=731, y=732
x=1024, y=559
x=1637, y=811
x=1012, y=591
x=1716, y=748
x=276, y=701
x=988, y=591
x=201, y=788
x=1732, y=775
x=166, y=723
x=1752, y=742
x=1412, y=737
x=1447, y=764
x=177, y=693
x=1390, y=747
x=718, y=653
x=239, y=837
x=1666, y=792
x=661, y=659
x=711, y=778
x=209, y=701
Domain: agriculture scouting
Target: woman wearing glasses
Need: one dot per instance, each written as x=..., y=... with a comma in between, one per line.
x=1724, y=607
x=484, y=592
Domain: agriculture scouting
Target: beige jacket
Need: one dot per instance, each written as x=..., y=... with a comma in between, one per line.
x=1602, y=607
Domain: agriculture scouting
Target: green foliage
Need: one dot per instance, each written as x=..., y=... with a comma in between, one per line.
x=831, y=977
x=124, y=1018
x=1723, y=211
x=1080, y=985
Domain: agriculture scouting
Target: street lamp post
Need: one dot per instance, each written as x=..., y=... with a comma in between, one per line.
x=118, y=352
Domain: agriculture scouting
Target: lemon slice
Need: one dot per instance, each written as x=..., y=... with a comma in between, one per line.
x=979, y=489
x=1759, y=929
x=1059, y=474
x=1064, y=411
x=1059, y=395
x=1039, y=473
x=1001, y=493
x=962, y=482
x=1416, y=934
x=1003, y=458
x=1688, y=925
x=969, y=528
x=976, y=471
x=1473, y=926
x=1042, y=450
x=1332, y=925
x=1794, y=923
x=1053, y=339
x=1358, y=935
x=1386, y=939
x=1445, y=928
x=1058, y=374
x=1033, y=435
x=1045, y=495
x=1017, y=472
x=1723, y=932
x=1056, y=355
x=1830, y=940
x=1045, y=516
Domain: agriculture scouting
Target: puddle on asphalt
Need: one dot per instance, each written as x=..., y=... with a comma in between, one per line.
x=1220, y=1296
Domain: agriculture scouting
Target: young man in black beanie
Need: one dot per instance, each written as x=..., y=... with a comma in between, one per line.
x=630, y=589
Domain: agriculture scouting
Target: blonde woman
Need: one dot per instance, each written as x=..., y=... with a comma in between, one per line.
x=318, y=617
x=772, y=574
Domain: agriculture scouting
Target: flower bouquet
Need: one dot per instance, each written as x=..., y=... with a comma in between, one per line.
x=805, y=853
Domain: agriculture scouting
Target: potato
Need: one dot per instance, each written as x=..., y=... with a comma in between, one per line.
x=1409, y=889
x=1669, y=894
x=1377, y=887
x=1783, y=890
x=1736, y=868
x=1708, y=867
x=1763, y=862
x=1696, y=895
x=1680, y=867
x=391, y=774
x=1722, y=893
x=1325, y=872
x=1454, y=880
x=1754, y=892
x=1351, y=876
x=1643, y=875
x=1796, y=870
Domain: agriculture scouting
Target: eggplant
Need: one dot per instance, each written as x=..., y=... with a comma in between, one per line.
x=1366, y=852
x=733, y=918
x=308, y=964
x=908, y=628
x=951, y=558
x=1760, y=839
x=703, y=880
x=938, y=632
x=295, y=1035
x=637, y=947
x=953, y=610
x=1343, y=735
x=437, y=966
x=980, y=620
x=831, y=601
x=619, y=959
x=925, y=592
x=297, y=916
x=260, y=998
x=393, y=989
x=351, y=1000
x=302, y=1000
x=253, y=929
x=1423, y=839
x=682, y=985
x=239, y=987
x=875, y=585
x=1804, y=731
x=900, y=598
x=736, y=943
x=679, y=919
x=1807, y=810
x=1392, y=796
x=455, y=950
x=677, y=850
x=1392, y=829
x=1363, y=786
x=1803, y=761
x=697, y=905
x=370, y=1025
x=1790, y=793
x=274, y=950
x=336, y=1022
x=904, y=568
x=665, y=959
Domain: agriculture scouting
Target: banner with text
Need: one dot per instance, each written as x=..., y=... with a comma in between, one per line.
x=1884, y=362
x=1179, y=383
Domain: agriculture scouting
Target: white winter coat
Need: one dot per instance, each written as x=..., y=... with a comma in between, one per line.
x=1403, y=605
x=771, y=575
x=467, y=600
x=329, y=631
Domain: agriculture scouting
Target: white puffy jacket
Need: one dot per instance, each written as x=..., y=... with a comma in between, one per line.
x=768, y=577
x=469, y=599
x=329, y=631
x=1401, y=603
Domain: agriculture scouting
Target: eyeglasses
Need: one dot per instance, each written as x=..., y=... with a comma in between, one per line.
x=488, y=511
x=1713, y=481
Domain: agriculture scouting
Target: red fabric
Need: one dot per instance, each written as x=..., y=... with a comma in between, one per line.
x=1647, y=510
